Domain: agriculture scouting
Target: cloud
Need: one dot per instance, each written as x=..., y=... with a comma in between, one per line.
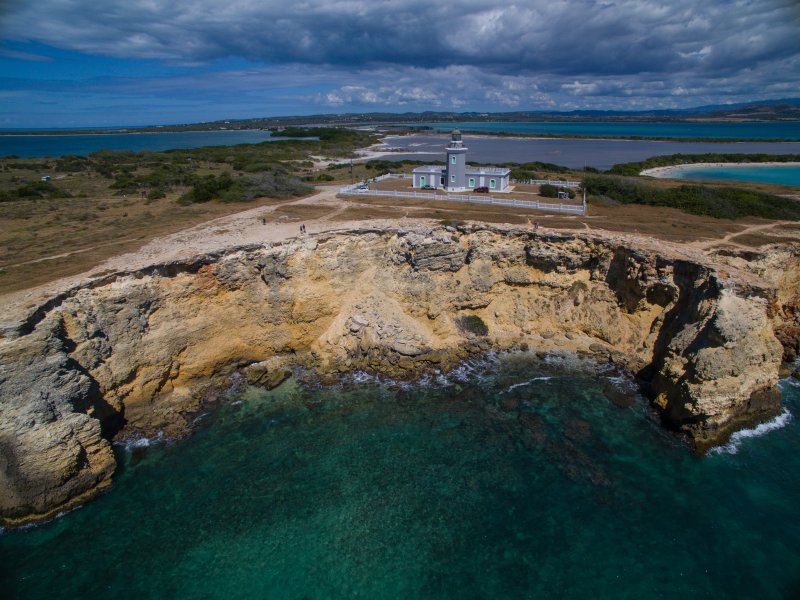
x=318, y=55
x=579, y=37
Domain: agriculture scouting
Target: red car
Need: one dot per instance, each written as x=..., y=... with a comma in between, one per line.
x=481, y=190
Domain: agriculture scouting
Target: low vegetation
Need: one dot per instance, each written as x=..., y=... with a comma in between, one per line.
x=32, y=191
x=551, y=191
x=719, y=202
x=110, y=201
x=271, y=183
x=531, y=170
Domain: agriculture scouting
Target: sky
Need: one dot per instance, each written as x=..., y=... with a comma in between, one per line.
x=80, y=63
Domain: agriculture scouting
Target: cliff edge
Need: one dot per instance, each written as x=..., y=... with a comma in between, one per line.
x=138, y=352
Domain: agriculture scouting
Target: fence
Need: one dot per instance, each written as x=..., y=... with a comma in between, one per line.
x=360, y=189
x=555, y=182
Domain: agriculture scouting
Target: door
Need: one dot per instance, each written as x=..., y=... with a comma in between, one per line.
x=472, y=182
x=422, y=181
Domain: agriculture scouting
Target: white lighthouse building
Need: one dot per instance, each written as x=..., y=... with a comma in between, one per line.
x=457, y=176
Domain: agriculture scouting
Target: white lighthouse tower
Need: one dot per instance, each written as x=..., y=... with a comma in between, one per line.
x=456, y=171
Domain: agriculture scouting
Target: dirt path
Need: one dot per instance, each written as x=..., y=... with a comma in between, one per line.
x=727, y=239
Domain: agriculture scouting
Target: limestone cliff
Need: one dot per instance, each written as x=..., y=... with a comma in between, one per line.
x=137, y=353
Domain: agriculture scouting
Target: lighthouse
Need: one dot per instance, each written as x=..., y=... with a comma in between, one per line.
x=456, y=171
x=456, y=176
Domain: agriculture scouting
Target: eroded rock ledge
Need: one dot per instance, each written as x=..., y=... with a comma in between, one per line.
x=136, y=353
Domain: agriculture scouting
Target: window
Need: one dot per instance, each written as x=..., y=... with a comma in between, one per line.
x=492, y=183
x=452, y=178
x=472, y=182
x=453, y=159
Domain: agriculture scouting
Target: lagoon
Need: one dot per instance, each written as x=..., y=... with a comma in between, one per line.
x=775, y=174
x=753, y=130
x=572, y=153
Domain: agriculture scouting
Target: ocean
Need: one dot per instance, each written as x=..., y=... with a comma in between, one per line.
x=86, y=143
x=753, y=130
x=513, y=477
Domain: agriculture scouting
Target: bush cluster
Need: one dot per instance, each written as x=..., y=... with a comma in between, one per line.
x=551, y=191
x=719, y=202
x=34, y=190
x=274, y=183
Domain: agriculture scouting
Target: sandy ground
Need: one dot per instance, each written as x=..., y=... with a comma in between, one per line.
x=247, y=228
x=240, y=229
x=666, y=172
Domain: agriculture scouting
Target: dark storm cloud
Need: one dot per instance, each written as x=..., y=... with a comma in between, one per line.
x=570, y=38
x=417, y=54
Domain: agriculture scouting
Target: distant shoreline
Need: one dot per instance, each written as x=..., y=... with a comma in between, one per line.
x=118, y=132
x=666, y=172
x=411, y=130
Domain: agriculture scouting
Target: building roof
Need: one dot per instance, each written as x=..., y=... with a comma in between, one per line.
x=488, y=170
x=429, y=168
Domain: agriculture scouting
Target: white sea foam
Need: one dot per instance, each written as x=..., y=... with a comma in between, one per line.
x=622, y=382
x=529, y=382
x=733, y=445
x=142, y=442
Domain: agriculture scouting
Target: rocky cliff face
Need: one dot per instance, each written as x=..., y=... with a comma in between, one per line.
x=137, y=353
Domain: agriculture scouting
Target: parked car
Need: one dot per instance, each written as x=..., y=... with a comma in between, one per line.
x=481, y=190
x=428, y=187
x=363, y=188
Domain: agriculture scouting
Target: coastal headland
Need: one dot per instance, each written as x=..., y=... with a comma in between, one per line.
x=122, y=321
x=141, y=345
x=669, y=171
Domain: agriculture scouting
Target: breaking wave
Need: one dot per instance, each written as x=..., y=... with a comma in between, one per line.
x=733, y=445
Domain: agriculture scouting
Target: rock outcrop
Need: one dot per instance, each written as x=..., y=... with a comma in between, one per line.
x=138, y=353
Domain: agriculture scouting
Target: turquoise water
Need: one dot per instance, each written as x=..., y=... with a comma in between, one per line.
x=753, y=130
x=83, y=144
x=779, y=174
x=514, y=478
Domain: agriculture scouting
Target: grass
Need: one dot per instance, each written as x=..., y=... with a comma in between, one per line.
x=88, y=230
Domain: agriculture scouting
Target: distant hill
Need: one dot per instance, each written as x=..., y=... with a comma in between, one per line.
x=785, y=109
x=772, y=110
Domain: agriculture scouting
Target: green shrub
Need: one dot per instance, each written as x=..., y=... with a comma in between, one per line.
x=207, y=188
x=548, y=191
x=523, y=174
x=472, y=324
x=34, y=190
x=71, y=163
